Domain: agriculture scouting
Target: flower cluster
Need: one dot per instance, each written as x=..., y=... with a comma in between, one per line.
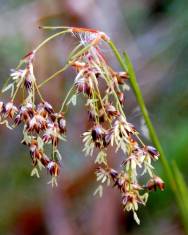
x=110, y=128
x=104, y=91
x=41, y=124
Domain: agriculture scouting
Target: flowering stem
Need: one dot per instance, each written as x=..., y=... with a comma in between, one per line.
x=127, y=66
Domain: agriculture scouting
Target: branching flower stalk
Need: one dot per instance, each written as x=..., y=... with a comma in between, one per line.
x=104, y=90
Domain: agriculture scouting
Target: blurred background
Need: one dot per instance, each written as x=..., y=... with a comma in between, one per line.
x=155, y=35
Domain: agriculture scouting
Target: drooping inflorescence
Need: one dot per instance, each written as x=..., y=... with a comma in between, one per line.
x=103, y=90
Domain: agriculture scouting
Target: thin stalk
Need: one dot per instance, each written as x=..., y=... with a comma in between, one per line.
x=16, y=91
x=84, y=49
x=127, y=66
x=53, y=75
x=68, y=64
x=55, y=27
x=66, y=98
x=76, y=49
x=49, y=39
x=38, y=91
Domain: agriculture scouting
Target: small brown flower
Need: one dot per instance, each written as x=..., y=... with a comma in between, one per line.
x=10, y=109
x=28, y=81
x=111, y=110
x=79, y=65
x=154, y=183
x=83, y=86
x=121, y=77
x=62, y=125
x=36, y=123
x=17, y=120
x=92, y=115
x=107, y=137
x=26, y=112
x=48, y=107
x=47, y=138
x=152, y=152
x=131, y=200
x=53, y=168
x=45, y=160
x=97, y=132
x=52, y=134
x=33, y=146
x=121, y=97
x=41, y=110
x=113, y=174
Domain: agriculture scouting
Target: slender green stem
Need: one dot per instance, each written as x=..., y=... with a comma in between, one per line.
x=68, y=64
x=83, y=50
x=38, y=91
x=49, y=39
x=66, y=98
x=54, y=75
x=76, y=49
x=55, y=27
x=127, y=66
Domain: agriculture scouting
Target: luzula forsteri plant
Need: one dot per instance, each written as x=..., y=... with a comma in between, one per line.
x=103, y=90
